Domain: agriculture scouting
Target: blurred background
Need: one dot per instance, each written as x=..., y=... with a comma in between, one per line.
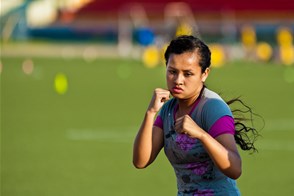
x=77, y=77
x=246, y=29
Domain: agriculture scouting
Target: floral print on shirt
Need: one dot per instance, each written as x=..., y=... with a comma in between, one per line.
x=198, y=168
x=185, y=142
x=205, y=192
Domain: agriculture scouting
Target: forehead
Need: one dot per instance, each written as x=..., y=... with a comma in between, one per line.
x=184, y=61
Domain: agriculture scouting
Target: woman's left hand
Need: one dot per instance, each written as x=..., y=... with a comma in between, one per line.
x=186, y=125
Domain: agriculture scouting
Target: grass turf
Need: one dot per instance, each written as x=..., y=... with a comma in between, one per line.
x=80, y=143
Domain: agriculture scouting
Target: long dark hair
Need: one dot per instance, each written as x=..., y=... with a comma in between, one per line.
x=245, y=134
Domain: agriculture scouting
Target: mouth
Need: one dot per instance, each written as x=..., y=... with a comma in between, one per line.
x=177, y=90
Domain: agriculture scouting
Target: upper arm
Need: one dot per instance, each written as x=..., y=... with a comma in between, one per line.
x=228, y=141
x=231, y=165
x=157, y=143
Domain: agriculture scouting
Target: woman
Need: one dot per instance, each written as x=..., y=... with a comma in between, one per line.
x=196, y=127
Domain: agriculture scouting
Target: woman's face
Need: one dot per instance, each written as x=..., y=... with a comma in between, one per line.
x=183, y=75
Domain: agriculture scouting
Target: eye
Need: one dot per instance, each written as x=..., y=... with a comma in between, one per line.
x=172, y=71
x=188, y=74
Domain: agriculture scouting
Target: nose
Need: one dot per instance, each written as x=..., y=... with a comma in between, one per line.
x=179, y=79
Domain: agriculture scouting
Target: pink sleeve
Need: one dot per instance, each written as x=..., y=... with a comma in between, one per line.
x=223, y=125
x=158, y=122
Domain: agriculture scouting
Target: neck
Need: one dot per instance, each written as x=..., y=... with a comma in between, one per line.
x=186, y=104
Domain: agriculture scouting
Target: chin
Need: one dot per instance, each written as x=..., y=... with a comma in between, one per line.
x=178, y=96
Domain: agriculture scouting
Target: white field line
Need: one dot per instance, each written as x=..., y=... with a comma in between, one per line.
x=275, y=145
x=127, y=135
x=279, y=125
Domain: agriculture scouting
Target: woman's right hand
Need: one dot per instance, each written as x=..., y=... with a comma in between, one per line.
x=160, y=96
x=149, y=140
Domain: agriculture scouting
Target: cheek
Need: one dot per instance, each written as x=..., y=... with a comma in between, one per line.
x=169, y=77
x=195, y=81
x=169, y=81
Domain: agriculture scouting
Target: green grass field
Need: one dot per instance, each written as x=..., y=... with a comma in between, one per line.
x=80, y=143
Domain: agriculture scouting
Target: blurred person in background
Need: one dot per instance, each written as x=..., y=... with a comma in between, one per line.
x=195, y=127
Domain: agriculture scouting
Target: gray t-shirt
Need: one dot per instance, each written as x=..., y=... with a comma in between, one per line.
x=195, y=171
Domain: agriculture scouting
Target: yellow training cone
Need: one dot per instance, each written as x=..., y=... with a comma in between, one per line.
x=248, y=36
x=217, y=55
x=264, y=51
x=184, y=29
x=284, y=37
x=287, y=55
x=151, y=57
x=60, y=84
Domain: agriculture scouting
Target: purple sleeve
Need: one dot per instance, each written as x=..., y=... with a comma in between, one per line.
x=223, y=125
x=158, y=122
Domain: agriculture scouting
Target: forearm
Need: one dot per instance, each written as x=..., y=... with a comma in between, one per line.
x=228, y=161
x=143, y=142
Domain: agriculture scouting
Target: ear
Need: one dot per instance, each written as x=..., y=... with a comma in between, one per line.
x=205, y=74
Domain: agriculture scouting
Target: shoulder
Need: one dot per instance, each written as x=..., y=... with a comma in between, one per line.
x=211, y=108
x=212, y=101
x=215, y=105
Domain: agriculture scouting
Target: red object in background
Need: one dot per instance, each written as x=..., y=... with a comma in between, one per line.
x=196, y=5
x=67, y=16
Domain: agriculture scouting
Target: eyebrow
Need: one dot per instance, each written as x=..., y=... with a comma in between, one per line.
x=188, y=70
x=185, y=70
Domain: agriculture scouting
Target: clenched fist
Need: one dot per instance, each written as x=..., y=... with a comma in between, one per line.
x=186, y=125
x=160, y=96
